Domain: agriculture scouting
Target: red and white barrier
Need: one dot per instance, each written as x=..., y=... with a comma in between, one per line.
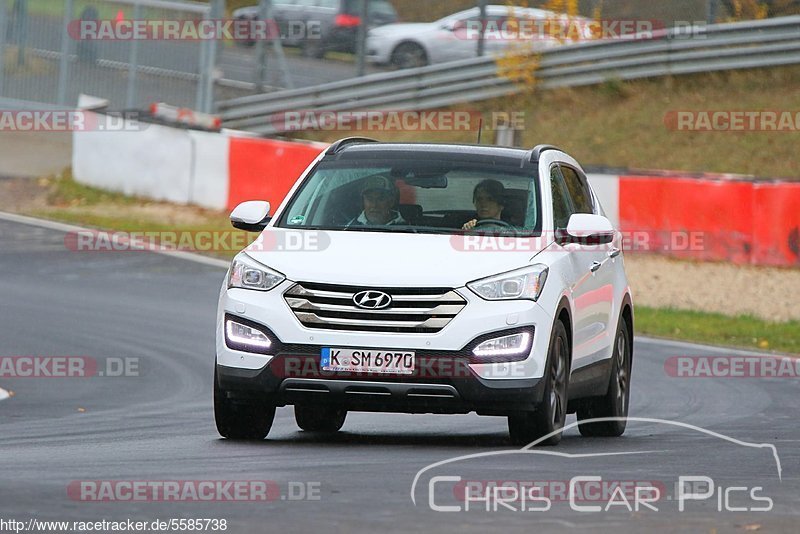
x=739, y=220
x=266, y=169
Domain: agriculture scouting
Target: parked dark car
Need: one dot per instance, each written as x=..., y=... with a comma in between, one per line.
x=321, y=26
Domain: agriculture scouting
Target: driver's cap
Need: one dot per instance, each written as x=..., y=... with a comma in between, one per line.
x=380, y=183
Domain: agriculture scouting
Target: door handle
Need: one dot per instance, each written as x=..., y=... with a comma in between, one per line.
x=614, y=252
x=595, y=266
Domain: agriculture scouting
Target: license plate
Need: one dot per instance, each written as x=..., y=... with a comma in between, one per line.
x=368, y=361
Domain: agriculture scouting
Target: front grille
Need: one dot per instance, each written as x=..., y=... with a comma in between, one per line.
x=413, y=310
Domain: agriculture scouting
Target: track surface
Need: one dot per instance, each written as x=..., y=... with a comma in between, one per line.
x=159, y=426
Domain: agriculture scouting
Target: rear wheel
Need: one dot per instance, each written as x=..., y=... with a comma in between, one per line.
x=409, y=56
x=552, y=413
x=313, y=48
x=313, y=418
x=248, y=420
x=615, y=402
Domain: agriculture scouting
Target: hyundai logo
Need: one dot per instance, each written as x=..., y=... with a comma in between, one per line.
x=372, y=300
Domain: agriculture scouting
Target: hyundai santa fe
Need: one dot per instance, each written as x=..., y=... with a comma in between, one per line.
x=428, y=278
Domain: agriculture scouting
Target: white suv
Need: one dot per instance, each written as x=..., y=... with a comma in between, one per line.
x=424, y=278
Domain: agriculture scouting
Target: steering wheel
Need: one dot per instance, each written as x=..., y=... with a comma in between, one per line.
x=492, y=222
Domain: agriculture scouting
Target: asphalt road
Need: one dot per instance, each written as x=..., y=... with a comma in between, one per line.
x=159, y=425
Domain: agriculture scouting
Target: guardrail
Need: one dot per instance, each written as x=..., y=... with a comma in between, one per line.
x=765, y=43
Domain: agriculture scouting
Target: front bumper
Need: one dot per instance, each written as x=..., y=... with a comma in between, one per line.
x=463, y=392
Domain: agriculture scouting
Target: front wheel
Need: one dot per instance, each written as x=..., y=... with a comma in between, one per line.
x=549, y=418
x=313, y=49
x=324, y=419
x=615, y=403
x=241, y=420
x=409, y=56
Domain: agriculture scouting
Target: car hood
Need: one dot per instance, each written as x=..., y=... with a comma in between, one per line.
x=408, y=29
x=389, y=259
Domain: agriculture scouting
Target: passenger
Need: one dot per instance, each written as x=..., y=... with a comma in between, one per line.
x=379, y=196
x=489, y=200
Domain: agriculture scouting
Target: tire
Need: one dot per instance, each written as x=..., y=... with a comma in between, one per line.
x=616, y=401
x=245, y=44
x=552, y=413
x=241, y=421
x=315, y=418
x=313, y=49
x=409, y=56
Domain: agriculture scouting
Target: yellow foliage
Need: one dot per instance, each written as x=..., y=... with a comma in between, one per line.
x=519, y=65
x=749, y=10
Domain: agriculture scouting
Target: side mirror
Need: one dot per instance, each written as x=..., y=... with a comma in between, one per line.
x=587, y=229
x=251, y=216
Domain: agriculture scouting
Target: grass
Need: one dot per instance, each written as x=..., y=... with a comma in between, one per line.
x=622, y=124
x=716, y=329
x=71, y=202
x=63, y=190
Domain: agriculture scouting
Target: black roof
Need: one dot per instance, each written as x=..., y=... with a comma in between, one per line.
x=366, y=149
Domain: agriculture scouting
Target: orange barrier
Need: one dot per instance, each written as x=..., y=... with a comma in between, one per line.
x=776, y=229
x=266, y=169
x=710, y=219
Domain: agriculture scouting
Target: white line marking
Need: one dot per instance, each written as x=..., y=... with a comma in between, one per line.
x=62, y=227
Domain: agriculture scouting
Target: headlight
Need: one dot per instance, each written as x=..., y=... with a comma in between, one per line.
x=241, y=336
x=525, y=283
x=246, y=273
x=510, y=345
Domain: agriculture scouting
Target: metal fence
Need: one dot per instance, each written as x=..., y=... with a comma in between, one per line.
x=42, y=62
x=751, y=44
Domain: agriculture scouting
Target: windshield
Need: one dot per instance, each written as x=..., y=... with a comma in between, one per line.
x=376, y=7
x=443, y=197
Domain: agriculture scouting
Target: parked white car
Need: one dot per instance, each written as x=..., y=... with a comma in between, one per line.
x=408, y=45
x=424, y=278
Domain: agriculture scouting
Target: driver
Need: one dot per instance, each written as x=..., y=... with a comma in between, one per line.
x=379, y=196
x=489, y=200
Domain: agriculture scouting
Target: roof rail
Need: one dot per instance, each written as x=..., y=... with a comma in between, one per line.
x=337, y=147
x=537, y=152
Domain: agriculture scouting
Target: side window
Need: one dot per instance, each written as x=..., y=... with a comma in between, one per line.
x=578, y=190
x=562, y=206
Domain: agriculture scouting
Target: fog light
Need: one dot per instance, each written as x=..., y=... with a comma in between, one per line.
x=244, y=337
x=510, y=345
